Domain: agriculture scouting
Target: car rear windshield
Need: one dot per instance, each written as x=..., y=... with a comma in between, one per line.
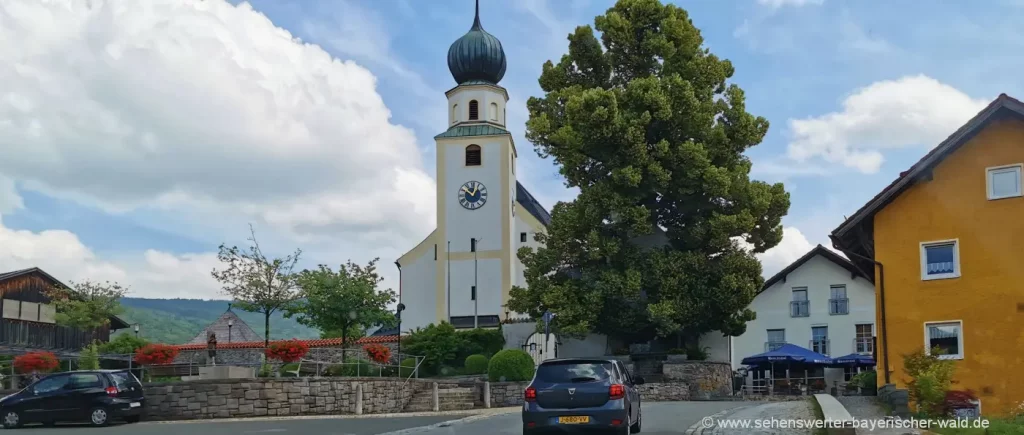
x=573, y=371
x=123, y=379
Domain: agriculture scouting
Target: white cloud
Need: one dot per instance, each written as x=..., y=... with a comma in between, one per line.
x=201, y=106
x=155, y=274
x=793, y=246
x=909, y=111
x=10, y=200
x=775, y=4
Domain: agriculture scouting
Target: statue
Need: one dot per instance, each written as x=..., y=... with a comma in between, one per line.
x=211, y=347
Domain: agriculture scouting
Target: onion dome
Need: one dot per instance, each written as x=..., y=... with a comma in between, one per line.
x=477, y=55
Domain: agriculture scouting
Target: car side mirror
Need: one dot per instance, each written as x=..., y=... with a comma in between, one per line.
x=639, y=380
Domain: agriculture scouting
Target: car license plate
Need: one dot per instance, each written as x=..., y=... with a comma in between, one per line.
x=574, y=419
x=134, y=405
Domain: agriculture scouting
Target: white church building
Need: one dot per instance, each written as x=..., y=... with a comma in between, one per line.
x=462, y=272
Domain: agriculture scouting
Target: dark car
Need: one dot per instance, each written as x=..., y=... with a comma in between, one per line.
x=582, y=395
x=95, y=396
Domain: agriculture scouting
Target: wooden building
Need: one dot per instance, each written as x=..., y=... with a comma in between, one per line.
x=29, y=320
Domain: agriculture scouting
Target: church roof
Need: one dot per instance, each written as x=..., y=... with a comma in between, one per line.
x=477, y=55
x=472, y=130
x=531, y=205
x=240, y=331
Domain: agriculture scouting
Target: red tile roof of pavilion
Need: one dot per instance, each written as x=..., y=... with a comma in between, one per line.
x=328, y=342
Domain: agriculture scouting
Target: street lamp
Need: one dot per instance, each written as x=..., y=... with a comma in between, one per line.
x=231, y=322
x=136, y=328
x=398, y=314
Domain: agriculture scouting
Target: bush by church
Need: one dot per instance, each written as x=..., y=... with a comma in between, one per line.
x=511, y=365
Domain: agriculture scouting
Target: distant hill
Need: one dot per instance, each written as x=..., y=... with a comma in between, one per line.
x=176, y=321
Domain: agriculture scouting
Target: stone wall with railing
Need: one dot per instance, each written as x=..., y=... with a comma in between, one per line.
x=252, y=357
x=279, y=397
x=705, y=380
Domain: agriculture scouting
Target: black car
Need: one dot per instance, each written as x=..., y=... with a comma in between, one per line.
x=95, y=396
x=570, y=395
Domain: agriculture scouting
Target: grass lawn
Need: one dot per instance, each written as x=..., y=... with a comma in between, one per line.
x=818, y=414
x=996, y=427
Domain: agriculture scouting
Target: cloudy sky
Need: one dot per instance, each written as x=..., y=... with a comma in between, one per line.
x=135, y=137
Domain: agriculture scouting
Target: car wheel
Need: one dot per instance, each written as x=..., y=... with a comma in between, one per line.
x=12, y=419
x=132, y=419
x=99, y=417
x=635, y=428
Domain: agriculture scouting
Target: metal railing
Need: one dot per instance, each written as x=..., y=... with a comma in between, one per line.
x=799, y=309
x=773, y=345
x=839, y=306
x=820, y=345
x=863, y=345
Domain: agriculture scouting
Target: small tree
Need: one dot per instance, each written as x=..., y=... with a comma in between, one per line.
x=930, y=380
x=123, y=344
x=344, y=300
x=89, y=359
x=87, y=305
x=256, y=283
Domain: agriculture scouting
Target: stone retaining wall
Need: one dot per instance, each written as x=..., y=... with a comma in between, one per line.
x=664, y=391
x=507, y=393
x=253, y=397
x=706, y=379
x=898, y=399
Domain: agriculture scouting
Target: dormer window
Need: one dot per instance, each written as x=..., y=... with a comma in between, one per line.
x=455, y=114
x=493, y=113
x=473, y=155
x=474, y=111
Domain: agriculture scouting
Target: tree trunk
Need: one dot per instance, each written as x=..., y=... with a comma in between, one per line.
x=266, y=330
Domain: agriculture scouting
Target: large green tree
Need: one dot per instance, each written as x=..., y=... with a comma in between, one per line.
x=662, y=236
x=343, y=302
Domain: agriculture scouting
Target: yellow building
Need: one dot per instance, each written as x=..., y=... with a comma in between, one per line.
x=946, y=244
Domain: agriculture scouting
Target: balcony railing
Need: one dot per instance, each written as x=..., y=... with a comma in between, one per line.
x=839, y=306
x=865, y=345
x=820, y=345
x=799, y=309
x=773, y=345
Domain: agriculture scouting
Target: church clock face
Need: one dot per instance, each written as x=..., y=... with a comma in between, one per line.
x=472, y=195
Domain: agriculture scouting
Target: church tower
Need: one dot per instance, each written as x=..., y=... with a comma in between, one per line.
x=476, y=187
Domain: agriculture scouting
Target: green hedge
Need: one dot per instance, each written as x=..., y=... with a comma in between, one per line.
x=408, y=366
x=510, y=365
x=476, y=364
x=444, y=346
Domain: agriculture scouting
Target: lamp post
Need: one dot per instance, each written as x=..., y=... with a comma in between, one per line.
x=476, y=317
x=398, y=314
x=136, y=328
x=231, y=323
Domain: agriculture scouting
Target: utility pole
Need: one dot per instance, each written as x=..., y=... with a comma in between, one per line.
x=476, y=289
x=449, y=319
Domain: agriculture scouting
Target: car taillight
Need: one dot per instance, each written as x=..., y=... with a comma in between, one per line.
x=531, y=394
x=616, y=391
x=112, y=391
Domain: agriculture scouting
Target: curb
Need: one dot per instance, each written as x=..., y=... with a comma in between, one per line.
x=473, y=414
x=699, y=427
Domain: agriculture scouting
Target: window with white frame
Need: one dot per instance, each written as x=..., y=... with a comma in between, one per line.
x=1003, y=181
x=940, y=260
x=946, y=339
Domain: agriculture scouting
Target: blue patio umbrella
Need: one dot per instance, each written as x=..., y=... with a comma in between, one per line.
x=854, y=360
x=788, y=353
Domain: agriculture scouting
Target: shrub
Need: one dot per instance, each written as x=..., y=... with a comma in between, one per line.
x=354, y=367
x=866, y=380
x=89, y=359
x=438, y=344
x=288, y=369
x=677, y=351
x=476, y=364
x=486, y=342
x=407, y=367
x=930, y=379
x=960, y=400
x=153, y=354
x=123, y=344
x=379, y=353
x=697, y=353
x=510, y=365
x=287, y=351
x=36, y=362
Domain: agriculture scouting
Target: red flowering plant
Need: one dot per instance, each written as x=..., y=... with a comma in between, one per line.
x=287, y=351
x=156, y=354
x=379, y=353
x=36, y=362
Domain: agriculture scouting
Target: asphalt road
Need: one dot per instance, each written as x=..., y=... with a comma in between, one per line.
x=664, y=418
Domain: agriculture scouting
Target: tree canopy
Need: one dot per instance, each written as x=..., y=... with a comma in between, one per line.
x=662, y=236
x=258, y=283
x=343, y=302
x=87, y=305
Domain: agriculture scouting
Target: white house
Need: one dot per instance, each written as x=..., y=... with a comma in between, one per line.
x=820, y=302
